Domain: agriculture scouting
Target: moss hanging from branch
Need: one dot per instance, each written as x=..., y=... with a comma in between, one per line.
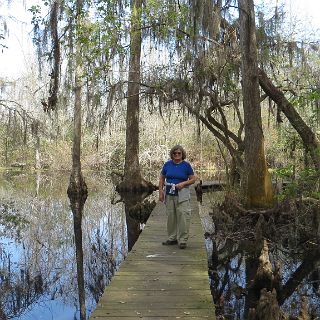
x=55, y=72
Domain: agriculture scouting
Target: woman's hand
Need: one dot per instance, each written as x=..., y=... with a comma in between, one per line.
x=191, y=180
x=161, y=195
x=180, y=185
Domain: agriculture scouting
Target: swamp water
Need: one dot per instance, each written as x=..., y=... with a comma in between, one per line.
x=293, y=251
x=38, y=275
x=38, y=279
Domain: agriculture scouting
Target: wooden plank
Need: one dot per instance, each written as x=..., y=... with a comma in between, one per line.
x=141, y=317
x=160, y=282
x=163, y=257
x=152, y=312
x=150, y=318
x=152, y=304
x=147, y=296
x=176, y=269
x=173, y=285
x=163, y=278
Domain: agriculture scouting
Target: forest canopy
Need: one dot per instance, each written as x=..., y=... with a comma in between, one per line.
x=188, y=86
x=113, y=85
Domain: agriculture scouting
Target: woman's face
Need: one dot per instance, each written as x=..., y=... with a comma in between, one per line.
x=177, y=155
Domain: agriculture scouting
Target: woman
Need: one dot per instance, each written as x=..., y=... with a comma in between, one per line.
x=175, y=178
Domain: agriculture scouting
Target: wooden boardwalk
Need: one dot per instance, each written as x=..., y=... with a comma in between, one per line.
x=160, y=282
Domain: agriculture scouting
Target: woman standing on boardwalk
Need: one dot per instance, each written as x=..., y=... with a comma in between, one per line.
x=175, y=178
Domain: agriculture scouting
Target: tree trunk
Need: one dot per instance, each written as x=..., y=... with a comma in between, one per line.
x=6, y=145
x=77, y=190
x=55, y=72
x=25, y=127
x=132, y=221
x=137, y=211
x=133, y=180
x=132, y=167
x=2, y=314
x=257, y=181
x=214, y=30
x=252, y=264
x=35, y=133
x=308, y=137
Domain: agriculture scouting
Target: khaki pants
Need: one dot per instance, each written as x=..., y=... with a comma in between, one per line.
x=178, y=221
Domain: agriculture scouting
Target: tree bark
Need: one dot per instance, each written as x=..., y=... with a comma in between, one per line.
x=308, y=137
x=133, y=180
x=55, y=72
x=132, y=166
x=133, y=222
x=2, y=314
x=7, y=143
x=257, y=181
x=35, y=133
x=77, y=190
x=252, y=264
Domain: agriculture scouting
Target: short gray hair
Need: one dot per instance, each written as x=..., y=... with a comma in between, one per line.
x=178, y=147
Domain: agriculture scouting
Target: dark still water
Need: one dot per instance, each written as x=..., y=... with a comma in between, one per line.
x=38, y=277
x=38, y=271
x=253, y=255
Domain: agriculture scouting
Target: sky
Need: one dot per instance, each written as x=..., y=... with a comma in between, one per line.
x=18, y=40
x=306, y=11
x=19, y=52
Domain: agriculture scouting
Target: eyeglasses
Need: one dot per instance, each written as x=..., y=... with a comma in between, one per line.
x=177, y=152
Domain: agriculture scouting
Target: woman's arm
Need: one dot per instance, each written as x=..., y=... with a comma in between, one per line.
x=191, y=180
x=161, y=185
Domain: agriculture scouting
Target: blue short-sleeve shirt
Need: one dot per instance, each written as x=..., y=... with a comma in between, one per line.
x=176, y=172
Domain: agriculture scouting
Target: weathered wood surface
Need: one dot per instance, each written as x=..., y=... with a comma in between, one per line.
x=212, y=185
x=160, y=282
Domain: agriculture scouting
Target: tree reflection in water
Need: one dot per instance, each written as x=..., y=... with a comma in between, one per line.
x=137, y=210
x=37, y=256
x=261, y=262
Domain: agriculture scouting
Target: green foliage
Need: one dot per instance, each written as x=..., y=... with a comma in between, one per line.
x=314, y=95
x=306, y=103
x=286, y=172
x=307, y=183
x=36, y=14
x=37, y=21
x=289, y=192
x=202, y=67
